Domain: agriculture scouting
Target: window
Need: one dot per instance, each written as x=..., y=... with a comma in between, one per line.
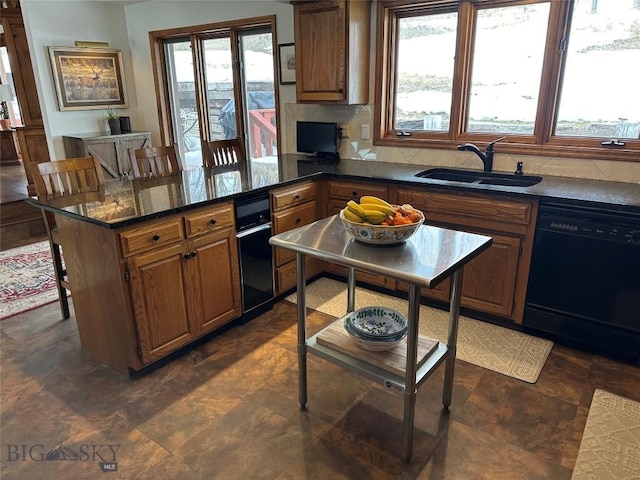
x=6, y=77
x=553, y=77
x=217, y=82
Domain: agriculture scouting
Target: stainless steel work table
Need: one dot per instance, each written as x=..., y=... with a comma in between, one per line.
x=428, y=257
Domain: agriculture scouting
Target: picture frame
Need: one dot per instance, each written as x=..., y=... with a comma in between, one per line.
x=287, y=63
x=88, y=78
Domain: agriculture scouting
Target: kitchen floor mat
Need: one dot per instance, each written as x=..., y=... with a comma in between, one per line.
x=610, y=446
x=502, y=350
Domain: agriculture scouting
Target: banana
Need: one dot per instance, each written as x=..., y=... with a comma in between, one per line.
x=370, y=199
x=378, y=207
x=374, y=216
x=355, y=208
x=350, y=215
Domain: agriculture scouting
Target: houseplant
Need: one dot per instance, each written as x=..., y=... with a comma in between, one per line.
x=114, y=121
x=5, y=95
x=5, y=122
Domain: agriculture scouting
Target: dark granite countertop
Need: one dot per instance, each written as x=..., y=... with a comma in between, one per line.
x=126, y=202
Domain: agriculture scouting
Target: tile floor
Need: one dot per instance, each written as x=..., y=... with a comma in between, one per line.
x=228, y=409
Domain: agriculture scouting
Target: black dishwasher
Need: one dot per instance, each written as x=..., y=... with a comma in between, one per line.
x=584, y=282
x=253, y=224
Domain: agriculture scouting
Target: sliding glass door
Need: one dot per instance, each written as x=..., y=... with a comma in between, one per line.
x=259, y=111
x=220, y=85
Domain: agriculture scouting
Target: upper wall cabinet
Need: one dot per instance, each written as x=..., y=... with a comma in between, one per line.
x=332, y=51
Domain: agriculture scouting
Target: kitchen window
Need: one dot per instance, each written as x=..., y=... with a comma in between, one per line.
x=554, y=77
x=216, y=82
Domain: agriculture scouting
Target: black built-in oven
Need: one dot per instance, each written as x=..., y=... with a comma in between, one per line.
x=584, y=283
x=253, y=224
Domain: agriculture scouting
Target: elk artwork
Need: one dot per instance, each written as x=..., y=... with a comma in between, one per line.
x=88, y=79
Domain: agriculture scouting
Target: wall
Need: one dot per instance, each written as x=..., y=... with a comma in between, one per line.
x=60, y=23
x=126, y=27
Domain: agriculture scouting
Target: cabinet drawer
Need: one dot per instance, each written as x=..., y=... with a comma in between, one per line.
x=208, y=220
x=293, y=196
x=288, y=220
x=365, y=277
x=151, y=236
x=480, y=206
x=356, y=190
x=286, y=276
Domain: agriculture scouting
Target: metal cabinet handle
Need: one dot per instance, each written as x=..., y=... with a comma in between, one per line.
x=190, y=254
x=155, y=238
x=354, y=193
x=296, y=197
x=298, y=220
x=212, y=221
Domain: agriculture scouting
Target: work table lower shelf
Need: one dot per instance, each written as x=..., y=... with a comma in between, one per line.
x=334, y=345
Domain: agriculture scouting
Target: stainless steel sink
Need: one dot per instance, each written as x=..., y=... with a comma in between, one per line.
x=485, y=178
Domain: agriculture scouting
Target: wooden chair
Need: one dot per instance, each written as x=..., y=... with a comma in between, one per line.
x=153, y=162
x=75, y=179
x=226, y=155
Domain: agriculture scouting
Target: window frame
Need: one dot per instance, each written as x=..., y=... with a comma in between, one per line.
x=197, y=35
x=542, y=142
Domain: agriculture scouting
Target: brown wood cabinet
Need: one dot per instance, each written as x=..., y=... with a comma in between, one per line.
x=187, y=289
x=339, y=194
x=8, y=148
x=142, y=292
x=494, y=282
x=31, y=135
x=332, y=51
x=111, y=150
x=292, y=207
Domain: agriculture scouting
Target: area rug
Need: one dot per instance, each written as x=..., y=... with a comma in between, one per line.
x=502, y=350
x=27, y=279
x=610, y=446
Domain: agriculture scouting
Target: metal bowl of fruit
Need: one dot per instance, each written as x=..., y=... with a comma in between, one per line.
x=376, y=222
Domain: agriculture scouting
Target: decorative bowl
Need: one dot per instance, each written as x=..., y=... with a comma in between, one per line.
x=380, y=234
x=378, y=323
x=373, y=345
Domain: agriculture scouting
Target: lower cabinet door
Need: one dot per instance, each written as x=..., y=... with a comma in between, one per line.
x=159, y=302
x=488, y=281
x=213, y=274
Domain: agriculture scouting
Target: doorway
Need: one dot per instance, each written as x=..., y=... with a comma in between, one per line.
x=220, y=85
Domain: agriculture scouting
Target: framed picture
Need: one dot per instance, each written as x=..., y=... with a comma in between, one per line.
x=287, y=55
x=88, y=78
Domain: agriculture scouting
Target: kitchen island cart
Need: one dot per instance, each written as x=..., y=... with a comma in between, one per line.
x=424, y=260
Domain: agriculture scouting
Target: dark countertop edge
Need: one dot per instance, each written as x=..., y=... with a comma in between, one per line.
x=552, y=189
x=558, y=190
x=172, y=211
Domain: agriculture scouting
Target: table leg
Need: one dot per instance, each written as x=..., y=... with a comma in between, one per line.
x=351, y=290
x=302, y=329
x=410, y=372
x=452, y=340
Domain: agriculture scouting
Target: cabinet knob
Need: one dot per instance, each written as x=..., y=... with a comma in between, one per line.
x=190, y=254
x=354, y=193
x=298, y=220
x=296, y=197
x=155, y=238
x=212, y=221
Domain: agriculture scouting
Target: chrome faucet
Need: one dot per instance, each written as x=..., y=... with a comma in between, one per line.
x=487, y=157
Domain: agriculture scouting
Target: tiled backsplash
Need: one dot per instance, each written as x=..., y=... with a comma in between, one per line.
x=353, y=147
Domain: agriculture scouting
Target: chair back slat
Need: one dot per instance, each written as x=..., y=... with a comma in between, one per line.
x=226, y=154
x=71, y=176
x=154, y=162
